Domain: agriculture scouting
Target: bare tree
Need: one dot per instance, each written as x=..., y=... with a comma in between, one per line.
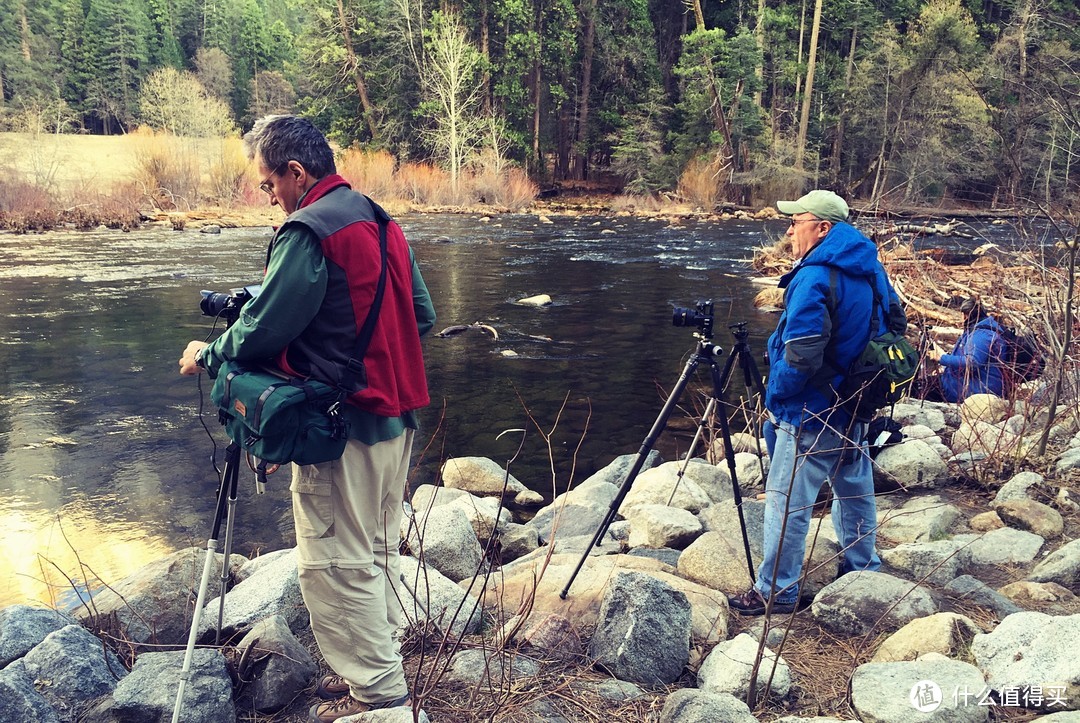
x=453, y=95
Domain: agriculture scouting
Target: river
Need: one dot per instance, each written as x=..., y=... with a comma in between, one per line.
x=104, y=464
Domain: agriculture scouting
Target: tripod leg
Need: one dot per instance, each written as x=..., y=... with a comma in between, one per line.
x=693, y=446
x=233, y=474
x=720, y=380
x=232, y=458
x=639, y=462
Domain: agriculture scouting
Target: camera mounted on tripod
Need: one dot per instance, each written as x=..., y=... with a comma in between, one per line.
x=227, y=305
x=700, y=316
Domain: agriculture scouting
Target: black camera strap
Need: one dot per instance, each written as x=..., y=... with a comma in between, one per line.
x=355, y=365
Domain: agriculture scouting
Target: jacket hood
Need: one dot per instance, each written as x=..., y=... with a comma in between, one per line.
x=844, y=248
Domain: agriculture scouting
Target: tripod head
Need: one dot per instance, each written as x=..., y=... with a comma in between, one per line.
x=739, y=331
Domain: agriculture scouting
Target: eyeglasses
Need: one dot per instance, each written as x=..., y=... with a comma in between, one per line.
x=266, y=187
x=796, y=221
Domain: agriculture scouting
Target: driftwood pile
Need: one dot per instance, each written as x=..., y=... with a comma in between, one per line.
x=1023, y=288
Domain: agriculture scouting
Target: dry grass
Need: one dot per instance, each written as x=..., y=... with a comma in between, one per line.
x=699, y=185
x=370, y=172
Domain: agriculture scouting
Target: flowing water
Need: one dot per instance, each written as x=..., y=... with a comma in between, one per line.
x=104, y=464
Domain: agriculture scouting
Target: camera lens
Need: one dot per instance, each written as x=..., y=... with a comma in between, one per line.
x=214, y=302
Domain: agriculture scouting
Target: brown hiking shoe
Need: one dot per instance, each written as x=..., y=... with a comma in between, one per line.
x=332, y=687
x=347, y=705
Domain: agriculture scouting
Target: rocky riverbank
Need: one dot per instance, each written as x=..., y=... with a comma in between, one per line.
x=974, y=616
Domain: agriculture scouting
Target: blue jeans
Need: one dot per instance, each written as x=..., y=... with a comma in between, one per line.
x=801, y=463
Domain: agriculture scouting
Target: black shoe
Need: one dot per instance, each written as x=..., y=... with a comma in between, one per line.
x=752, y=603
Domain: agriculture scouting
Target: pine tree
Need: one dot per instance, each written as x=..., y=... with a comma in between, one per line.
x=117, y=59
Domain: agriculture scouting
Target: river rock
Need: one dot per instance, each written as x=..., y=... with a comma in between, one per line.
x=709, y=610
x=714, y=480
x=985, y=438
x=863, y=601
x=70, y=667
x=1061, y=566
x=255, y=564
x=717, y=559
x=567, y=520
x=1032, y=649
x=937, y=562
x=555, y=635
x=725, y=518
x=751, y=469
x=643, y=630
x=1003, y=546
x=985, y=521
x=1057, y=598
x=273, y=590
x=921, y=519
x=279, y=666
x=1035, y=517
x=614, y=473
x=889, y=692
x=480, y=476
x=1018, y=486
x=517, y=541
x=928, y=414
x=487, y=667
x=22, y=627
x=728, y=666
x=662, y=526
x=148, y=693
x=687, y=705
x=1069, y=460
x=967, y=590
x=538, y=300
x=485, y=514
x=20, y=700
x=912, y=464
x=447, y=542
x=153, y=604
x=663, y=554
x=428, y=596
x=984, y=408
x=654, y=487
x=946, y=633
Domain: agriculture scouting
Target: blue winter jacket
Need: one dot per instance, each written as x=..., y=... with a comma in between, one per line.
x=975, y=364
x=825, y=326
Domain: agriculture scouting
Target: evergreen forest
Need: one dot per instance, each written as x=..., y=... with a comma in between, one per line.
x=905, y=102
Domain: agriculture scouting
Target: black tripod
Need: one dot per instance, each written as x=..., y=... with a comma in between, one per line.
x=705, y=352
x=224, y=511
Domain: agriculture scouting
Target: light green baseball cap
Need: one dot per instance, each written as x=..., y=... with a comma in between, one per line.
x=826, y=205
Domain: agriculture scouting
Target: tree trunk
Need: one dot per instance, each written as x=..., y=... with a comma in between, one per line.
x=358, y=75
x=802, y=42
x=804, y=118
x=24, y=33
x=485, y=51
x=536, y=162
x=838, y=140
x=759, y=71
x=581, y=150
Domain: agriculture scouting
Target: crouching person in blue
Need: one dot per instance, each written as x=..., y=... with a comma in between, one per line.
x=829, y=301
x=976, y=364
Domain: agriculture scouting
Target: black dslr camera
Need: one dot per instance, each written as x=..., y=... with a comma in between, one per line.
x=700, y=316
x=227, y=305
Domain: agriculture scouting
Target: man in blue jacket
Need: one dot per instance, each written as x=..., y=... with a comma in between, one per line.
x=976, y=364
x=831, y=308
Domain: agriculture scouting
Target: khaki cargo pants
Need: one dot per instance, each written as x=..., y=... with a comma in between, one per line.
x=347, y=515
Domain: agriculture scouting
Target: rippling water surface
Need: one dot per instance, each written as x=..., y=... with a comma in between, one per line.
x=104, y=464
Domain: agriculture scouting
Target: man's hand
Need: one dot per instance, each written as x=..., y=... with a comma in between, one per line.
x=934, y=353
x=188, y=367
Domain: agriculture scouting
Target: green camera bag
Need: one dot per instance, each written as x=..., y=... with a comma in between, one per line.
x=280, y=420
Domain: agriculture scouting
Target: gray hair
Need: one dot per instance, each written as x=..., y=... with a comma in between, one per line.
x=278, y=139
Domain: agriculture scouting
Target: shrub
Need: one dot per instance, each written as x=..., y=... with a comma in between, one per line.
x=166, y=169
x=698, y=183
x=228, y=173
x=370, y=172
x=423, y=183
x=19, y=196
